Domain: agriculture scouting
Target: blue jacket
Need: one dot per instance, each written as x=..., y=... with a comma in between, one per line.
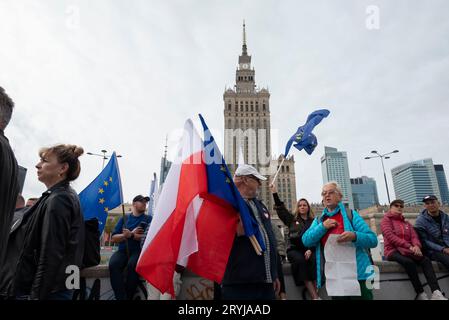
x=433, y=238
x=365, y=239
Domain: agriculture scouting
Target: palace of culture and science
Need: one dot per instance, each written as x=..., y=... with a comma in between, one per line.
x=247, y=130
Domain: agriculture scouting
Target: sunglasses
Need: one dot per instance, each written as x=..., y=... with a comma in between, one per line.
x=398, y=205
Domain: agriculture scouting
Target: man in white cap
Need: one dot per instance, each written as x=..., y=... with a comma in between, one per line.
x=249, y=276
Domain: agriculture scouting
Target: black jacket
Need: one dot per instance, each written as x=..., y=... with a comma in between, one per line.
x=296, y=225
x=9, y=189
x=244, y=265
x=53, y=240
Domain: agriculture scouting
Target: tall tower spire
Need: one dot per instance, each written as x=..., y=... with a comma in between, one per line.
x=244, y=51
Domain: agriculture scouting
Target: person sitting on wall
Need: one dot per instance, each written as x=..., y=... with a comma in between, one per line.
x=401, y=244
x=433, y=228
x=128, y=233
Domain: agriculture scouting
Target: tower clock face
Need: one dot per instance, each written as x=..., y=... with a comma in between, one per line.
x=245, y=66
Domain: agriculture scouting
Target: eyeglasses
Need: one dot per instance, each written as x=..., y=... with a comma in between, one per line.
x=325, y=193
x=398, y=205
x=254, y=178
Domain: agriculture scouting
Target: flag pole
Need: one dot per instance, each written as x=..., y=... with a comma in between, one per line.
x=256, y=245
x=125, y=224
x=279, y=169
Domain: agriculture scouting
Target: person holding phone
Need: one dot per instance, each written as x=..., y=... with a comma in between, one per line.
x=128, y=232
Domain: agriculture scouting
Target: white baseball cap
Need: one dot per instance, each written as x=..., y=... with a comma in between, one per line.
x=247, y=170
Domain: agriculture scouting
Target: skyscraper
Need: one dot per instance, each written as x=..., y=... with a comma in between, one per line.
x=247, y=124
x=165, y=167
x=442, y=183
x=414, y=180
x=334, y=167
x=364, y=192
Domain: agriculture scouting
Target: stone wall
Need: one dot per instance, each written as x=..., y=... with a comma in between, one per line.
x=393, y=284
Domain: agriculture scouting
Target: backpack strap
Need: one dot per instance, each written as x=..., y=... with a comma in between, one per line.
x=350, y=215
x=367, y=250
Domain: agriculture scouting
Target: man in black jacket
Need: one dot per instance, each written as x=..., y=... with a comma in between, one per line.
x=9, y=186
x=249, y=276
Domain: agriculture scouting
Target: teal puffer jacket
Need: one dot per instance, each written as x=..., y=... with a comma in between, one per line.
x=365, y=239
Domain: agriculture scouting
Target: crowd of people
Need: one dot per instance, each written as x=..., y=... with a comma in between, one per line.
x=39, y=239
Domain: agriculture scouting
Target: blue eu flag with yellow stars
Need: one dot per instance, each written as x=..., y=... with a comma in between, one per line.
x=102, y=194
x=304, y=138
x=221, y=186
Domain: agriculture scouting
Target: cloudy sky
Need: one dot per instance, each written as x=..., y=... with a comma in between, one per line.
x=121, y=75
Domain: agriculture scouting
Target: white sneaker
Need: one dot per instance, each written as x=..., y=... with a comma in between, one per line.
x=422, y=296
x=437, y=295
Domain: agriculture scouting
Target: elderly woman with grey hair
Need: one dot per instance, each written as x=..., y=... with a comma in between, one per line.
x=336, y=219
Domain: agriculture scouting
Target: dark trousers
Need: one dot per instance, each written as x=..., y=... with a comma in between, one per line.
x=441, y=257
x=119, y=261
x=410, y=266
x=252, y=291
x=61, y=295
x=281, y=275
x=302, y=269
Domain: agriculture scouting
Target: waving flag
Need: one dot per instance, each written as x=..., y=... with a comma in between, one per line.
x=188, y=228
x=222, y=186
x=102, y=194
x=304, y=138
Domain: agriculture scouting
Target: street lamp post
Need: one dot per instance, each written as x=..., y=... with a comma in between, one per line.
x=104, y=156
x=382, y=157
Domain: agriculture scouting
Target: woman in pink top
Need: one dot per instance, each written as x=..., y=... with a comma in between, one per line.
x=401, y=244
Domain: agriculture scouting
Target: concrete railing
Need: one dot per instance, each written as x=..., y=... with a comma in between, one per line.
x=392, y=284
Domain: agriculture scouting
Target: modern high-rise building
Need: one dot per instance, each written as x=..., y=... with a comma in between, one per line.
x=414, y=180
x=442, y=183
x=334, y=167
x=247, y=125
x=364, y=192
x=165, y=167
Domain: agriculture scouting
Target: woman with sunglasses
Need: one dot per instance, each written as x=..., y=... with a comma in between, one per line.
x=401, y=244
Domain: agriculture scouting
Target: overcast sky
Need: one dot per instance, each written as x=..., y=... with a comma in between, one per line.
x=121, y=75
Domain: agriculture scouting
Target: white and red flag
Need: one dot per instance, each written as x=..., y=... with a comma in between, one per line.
x=190, y=227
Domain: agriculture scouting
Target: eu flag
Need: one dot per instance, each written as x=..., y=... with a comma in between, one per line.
x=221, y=186
x=304, y=138
x=102, y=194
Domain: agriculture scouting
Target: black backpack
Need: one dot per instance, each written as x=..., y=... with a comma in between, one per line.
x=92, y=255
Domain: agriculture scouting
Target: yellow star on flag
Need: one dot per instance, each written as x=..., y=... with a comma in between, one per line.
x=101, y=190
x=101, y=200
x=106, y=209
x=110, y=179
x=106, y=183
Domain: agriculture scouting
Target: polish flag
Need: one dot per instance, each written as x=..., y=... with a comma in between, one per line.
x=189, y=227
